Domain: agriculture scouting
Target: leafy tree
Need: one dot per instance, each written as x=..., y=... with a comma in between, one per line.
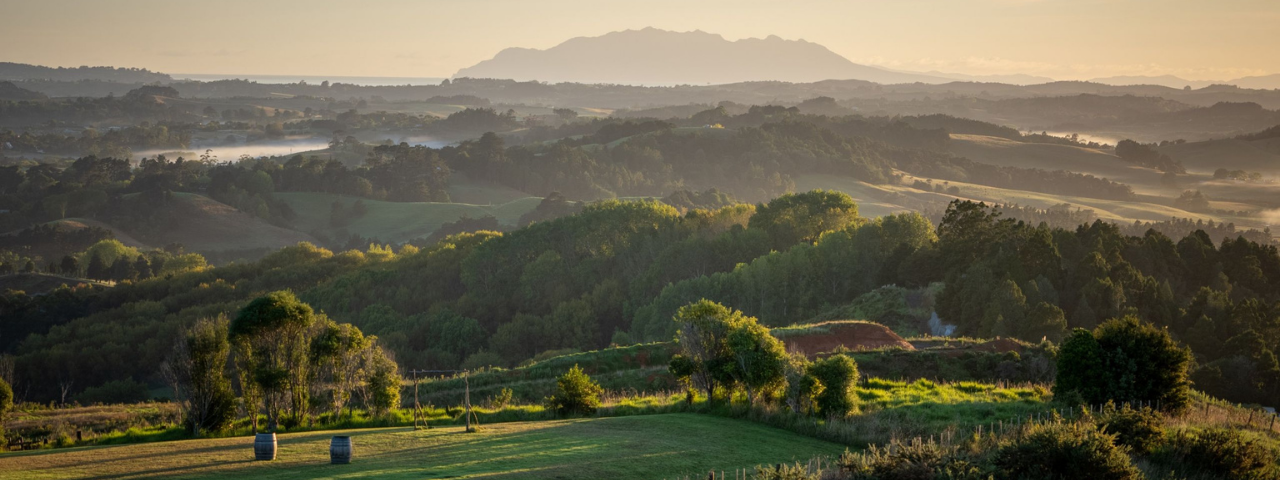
x=802, y=217
x=704, y=359
x=720, y=346
x=836, y=375
x=1046, y=321
x=1125, y=360
x=384, y=382
x=759, y=359
x=576, y=393
x=196, y=370
x=269, y=334
x=337, y=357
x=69, y=266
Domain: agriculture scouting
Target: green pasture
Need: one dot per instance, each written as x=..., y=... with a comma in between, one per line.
x=639, y=447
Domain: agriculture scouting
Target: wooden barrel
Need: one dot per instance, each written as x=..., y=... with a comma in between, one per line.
x=264, y=446
x=340, y=450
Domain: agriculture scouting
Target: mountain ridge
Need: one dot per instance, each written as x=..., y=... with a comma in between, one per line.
x=652, y=56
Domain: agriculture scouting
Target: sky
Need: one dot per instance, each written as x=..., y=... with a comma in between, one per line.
x=1062, y=39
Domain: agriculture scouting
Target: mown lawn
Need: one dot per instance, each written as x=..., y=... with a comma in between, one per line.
x=648, y=447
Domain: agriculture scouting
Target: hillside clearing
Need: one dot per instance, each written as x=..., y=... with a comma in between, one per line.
x=395, y=221
x=640, y=447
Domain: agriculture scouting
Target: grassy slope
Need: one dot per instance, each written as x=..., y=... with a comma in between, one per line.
x=1259, y=155
x=877, y=199
x=204, y=224
x=37, y=283
x=1004, y=152
x=1200, y=158
x=641, y=447
x=79, y=223
x=217, y=226
x=398, y=221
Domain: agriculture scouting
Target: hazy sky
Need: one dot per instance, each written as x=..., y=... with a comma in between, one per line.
x=1065, y=39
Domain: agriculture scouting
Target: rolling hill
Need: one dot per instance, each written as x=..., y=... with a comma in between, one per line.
x=396, y=222
x=659, y=57
x=202, y=224
x=1207, y=156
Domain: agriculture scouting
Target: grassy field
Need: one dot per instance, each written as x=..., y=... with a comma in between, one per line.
x=399, y=221
x=1200, y=158
x=641, y=447
x=1254, y=156
x=879, y=199
x=202, y=224
x=1004, y=152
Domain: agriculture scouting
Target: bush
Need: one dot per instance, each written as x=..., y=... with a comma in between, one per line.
x=1125, y=360
x=784, y=471
x=913, y=461
x=1217, y=453
x=1139, y=429
x=501, y=400
x=575, y=393
x=836, y=375
x=1064, y=451
x=116, y=391
x=384, y=382
x=6, y=400
x=482, y=359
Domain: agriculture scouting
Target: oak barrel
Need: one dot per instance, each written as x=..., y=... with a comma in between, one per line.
x=264, y=446
x=340, y=450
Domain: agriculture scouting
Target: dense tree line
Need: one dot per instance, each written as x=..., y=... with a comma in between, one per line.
x=1147, y=156
x=619, y=271
x=140, y=104
x=112, y=142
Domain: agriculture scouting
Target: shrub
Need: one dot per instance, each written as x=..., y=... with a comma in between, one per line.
x=482, y=359
x=1063, y=451
x=1139, y=429
x=1144, y=363
x=836, y=375
x=384, y=382
x=501, y=400
x=6, y=400
x=1218, y=453
x=576, y=393
x=116, y=391
x=1125, y=360
x=784, y=471
x=912, y=461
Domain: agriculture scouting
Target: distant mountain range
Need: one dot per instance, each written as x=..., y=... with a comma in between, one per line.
x=22, y=71
x=1266, y=82
x=659, y=57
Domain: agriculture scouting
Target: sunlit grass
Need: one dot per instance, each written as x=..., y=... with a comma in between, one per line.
x=649, y=447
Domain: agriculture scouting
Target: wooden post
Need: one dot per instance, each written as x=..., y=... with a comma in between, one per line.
x=466, y=379
x=416, y=406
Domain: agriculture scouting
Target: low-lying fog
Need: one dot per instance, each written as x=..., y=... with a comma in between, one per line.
x=267, y=148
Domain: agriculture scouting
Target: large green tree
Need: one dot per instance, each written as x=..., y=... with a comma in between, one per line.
x=270, y=334
x=1125, y=360
x=802, y=217
x=197, y=371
